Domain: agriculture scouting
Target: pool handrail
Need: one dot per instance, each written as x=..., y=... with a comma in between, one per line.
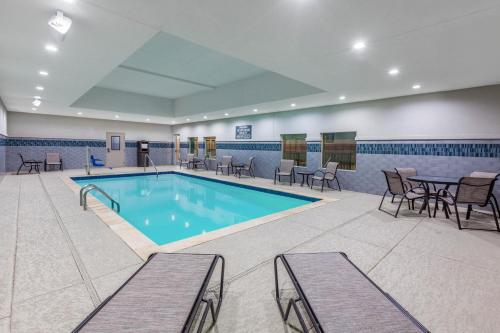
x=89, y=187
x=152, y=163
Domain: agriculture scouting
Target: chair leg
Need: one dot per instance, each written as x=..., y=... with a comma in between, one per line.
x=458, y=217
x=469, y=210
x=19, y=169
x=393, y=196
x=399, y=206
x=496, y=203
x=435, y=207
x=381, y=202
x=338, y=183
x=495, y=215
x=446, y=210
x=322, y=185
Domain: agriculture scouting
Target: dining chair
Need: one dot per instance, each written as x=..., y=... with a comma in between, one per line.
x=326, y=176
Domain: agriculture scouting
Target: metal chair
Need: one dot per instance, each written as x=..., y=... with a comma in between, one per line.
x=396, y=187
x=286, y=169
x=32, y=164
x=53, y=159
x=226, y=163
x=327, y=176
x=187, y=162
x=198, y=162
x=470, y=191
x=247, y=167
x=481, y=174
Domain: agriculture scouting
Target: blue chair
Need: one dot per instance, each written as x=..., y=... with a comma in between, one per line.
x=96, y=162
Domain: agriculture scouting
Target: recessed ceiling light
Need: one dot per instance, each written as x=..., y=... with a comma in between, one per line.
x=39, y=88
x=293, y=105
x=359, y=45
x=37, y=97
x=43, y=73
x=255, y=110
x=147, y=119
x=393, y=71
x=226, y=114
x=117, y=116
x=51, y=48
x=34, y=109
x=36, y=102
x=187, y=119
x=342, y=97
x=205, y=117
x=173, y=121
x=60, y=23
x=79, y=113
x=416, y=86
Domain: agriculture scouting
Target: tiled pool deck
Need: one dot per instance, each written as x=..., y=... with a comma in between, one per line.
x=57, y=262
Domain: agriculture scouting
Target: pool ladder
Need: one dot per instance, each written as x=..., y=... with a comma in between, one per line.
x=152, y=163
x=90, y=187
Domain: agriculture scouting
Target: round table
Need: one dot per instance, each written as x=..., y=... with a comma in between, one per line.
x=305, y=176
x=237, y=168
x=435, y=180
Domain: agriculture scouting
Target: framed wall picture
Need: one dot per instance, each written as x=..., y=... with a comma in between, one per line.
x=115, y=142
x=243, y=132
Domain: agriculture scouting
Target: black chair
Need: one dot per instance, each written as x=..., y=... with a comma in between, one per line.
x=396, y=187
x=327, y=176
x=247, y=168
x=470, y=191
x=32, y=164
x=200, y=163
x=287, y=169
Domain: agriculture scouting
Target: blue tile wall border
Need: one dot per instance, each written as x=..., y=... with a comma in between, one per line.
x=491, y=150
x=250, y=145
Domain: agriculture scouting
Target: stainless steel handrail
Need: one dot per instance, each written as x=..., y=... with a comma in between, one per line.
x=152, y=163
x=87, y=188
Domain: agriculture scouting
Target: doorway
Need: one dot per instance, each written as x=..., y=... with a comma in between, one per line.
x=193, y=145
x=177, y=140
x=115, y=149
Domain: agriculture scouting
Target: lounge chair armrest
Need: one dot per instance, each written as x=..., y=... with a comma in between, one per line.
x=442, y=192
x=319, y=171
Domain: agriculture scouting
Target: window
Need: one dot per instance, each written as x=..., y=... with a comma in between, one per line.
x=115, y=143
x=193, y=145
x=295, y=148
x=340, y=148
x=210, y=150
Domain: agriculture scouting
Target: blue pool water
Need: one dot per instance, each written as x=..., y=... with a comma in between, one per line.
x=177, y=206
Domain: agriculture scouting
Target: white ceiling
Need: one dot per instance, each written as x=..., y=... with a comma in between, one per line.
x=442, y=44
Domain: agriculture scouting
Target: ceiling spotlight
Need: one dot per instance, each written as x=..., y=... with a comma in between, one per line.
x=359, y=45
x=36, y=102
x=51, y=48
x=205, y=117
x=226, y=114
x=117, y=116
x=37, y=97
x=187, y=119
x=416, y=86
x=147, y=119
x=255, y=110
x=393, y=71
x=342, y=97
x=34, y=109
x=293, y=105
x=43, y=73
x=173, y=121
x=39, y=88
x=79, y=113
x=60, y=23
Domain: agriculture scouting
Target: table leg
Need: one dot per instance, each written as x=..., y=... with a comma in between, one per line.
x=303, y=178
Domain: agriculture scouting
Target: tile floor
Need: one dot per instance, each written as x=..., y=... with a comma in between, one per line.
x=58, y=261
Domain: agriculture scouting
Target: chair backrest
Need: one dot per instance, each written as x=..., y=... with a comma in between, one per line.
x=227, y=159
x=331, y=169
x=190, y=157
x=22, y=159
x=53, y=158
x=481, y=174
x=92, y=157
x=407, y=172
x=287, y=166
x=250, y=162
x=474, y=190
x=394, y=182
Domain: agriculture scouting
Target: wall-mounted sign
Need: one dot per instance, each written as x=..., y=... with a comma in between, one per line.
x=244, y=132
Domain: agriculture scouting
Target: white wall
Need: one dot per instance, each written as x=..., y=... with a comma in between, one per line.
x=461, y=114
x=45, y=126
x=3, y=118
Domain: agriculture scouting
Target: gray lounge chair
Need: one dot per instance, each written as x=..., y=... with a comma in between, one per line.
x=226, y=163
x=338, y=297
x=470, y=191
x=200, y=163
x=188, y=161
x=165, y=295
x=286, y=169
x=53, y=159
x=326, y=176
x=248, y=167
x=396, y=187
x=481, y=174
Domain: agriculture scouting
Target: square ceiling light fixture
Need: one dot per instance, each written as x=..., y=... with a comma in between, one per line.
x=60, y=23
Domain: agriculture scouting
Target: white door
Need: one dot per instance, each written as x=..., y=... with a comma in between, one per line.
x=115, y=149
x=177, y=148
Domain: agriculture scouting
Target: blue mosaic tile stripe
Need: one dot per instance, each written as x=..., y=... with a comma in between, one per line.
x=18, y=142
x=184, y=145
x=3, y=140
x=263, y=146
x=431, y=149
x=313, y=147
x=133, y=144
